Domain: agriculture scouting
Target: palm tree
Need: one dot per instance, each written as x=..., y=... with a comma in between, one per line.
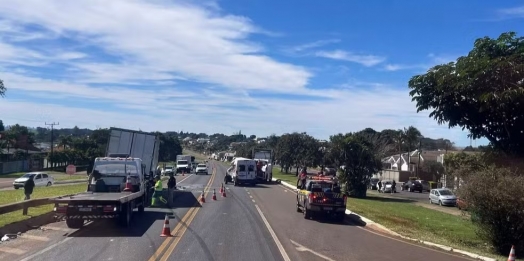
x=412, y=136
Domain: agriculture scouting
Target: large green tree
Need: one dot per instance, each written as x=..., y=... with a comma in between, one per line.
x=482, y=92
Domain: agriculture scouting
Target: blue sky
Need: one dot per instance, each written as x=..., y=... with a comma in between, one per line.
x=260, y=66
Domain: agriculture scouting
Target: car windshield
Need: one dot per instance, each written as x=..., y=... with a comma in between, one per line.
x=446, y=193
x=116, y=168
x=201, y=165
x=27, y=175
x=169, y=167
x=182, y=162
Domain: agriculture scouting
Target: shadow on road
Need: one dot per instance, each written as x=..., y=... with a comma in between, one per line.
x=350, y=220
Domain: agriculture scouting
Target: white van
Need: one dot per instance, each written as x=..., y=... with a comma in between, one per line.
x=242, y=171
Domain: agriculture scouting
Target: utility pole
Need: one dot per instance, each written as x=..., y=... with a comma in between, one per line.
x=52, y=138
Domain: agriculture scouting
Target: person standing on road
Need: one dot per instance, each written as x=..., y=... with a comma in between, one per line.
x=157, y=195
x=171, y=186
x=393, y=187
x=28, y=187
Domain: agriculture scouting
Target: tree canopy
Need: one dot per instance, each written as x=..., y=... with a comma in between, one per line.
x=482, y=92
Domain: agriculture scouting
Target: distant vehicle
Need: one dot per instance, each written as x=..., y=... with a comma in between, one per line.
x=183, y=164
x=201, y=169
x=373, y=184
x=41, y=179
x=265, y=169
x=168, y=170
x=412, y=186
x=425, y=185
x=443, y=197
x=242, y=171
x=387, y=186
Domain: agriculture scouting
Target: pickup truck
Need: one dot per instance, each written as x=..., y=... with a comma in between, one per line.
x=201, y=169
x=321, y=196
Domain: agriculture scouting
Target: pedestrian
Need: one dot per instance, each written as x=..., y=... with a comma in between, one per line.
x=157, y=195
x=29, y=185
x=393, y=187
x=379, y=185
x=171, y=186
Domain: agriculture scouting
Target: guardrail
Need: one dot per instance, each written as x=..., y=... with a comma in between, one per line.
x=25, y=205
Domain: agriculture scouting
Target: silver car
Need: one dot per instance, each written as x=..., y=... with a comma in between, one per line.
x=443, y=197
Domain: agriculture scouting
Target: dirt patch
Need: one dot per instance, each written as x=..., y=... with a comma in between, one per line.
x=28, y=224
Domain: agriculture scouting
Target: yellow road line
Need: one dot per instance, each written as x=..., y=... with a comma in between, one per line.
x=180, y=233
x=184, y=220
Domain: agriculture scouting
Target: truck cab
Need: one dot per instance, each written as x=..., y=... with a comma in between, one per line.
x=114, y=172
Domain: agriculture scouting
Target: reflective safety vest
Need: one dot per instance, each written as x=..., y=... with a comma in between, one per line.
x=158, y=186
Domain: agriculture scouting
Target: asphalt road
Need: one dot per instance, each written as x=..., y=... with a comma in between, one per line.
x=250, y=223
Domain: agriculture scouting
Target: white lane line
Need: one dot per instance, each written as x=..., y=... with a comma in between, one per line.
x=302, y=248
x=273, y=235
x=46, y=249
x=184, y=178
x=253, y=200
x=250, y=196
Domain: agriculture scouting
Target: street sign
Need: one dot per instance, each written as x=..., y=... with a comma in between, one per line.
x=71, y=169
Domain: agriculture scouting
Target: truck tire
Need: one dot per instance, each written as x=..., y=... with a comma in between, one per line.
x=306, y=212
x=125, y=215
x=74, y=223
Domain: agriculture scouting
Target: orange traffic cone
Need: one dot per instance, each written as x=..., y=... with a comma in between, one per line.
x=165, y=230
x=129, y=186
x=512, y=254
x=183, y=172
x=214, y=195
x=202, y=198
x=224, y=193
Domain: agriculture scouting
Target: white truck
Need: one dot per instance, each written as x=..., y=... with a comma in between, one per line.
x=183, y=164
x=122, y=186
x=264, y=157
x=242, y=171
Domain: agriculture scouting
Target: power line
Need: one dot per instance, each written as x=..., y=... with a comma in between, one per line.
x=52, y=136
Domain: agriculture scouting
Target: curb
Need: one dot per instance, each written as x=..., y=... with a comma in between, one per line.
x=70, y=181
x=368, y=222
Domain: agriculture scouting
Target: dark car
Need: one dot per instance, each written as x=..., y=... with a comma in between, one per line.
x=373, y=183
x=412, y=186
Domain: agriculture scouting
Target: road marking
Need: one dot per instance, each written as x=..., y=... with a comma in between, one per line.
x=188, y=217
x=253, y=200
x=273, y=235
x=302, y=248
x=39, y=238
x=250, y=196
x=185, y=178
x=12, y=250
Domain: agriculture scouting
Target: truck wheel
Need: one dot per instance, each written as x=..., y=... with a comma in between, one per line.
x=74, y=223
x=125, y=215
x=307, y=213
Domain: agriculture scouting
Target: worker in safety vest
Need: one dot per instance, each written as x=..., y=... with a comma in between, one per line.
x=157, y=195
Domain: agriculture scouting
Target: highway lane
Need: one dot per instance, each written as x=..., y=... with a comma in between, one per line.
x=324, y=240
x=229, y=228
x=103, y=240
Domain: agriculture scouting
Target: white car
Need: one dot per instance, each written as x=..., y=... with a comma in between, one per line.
x=168, y=170
x=41, y=179
x=201, y=169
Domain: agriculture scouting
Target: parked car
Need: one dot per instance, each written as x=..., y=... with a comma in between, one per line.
x=425, y=185
x=411, y=186
x=41, y=179
x=443, y=197
x=168, y=170
x=387, y=186
x=373, y=183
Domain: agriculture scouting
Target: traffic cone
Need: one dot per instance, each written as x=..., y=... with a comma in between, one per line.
x=183, y=172
x=222, y=188
x=165, y=230
x=224, y=193
x=214, y=195
x=129, y=186
x=202, y=198
x=512, y=254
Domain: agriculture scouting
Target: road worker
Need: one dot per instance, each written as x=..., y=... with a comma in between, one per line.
x=157, y=195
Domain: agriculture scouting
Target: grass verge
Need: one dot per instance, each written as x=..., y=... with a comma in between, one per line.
x=198, y=156
x=408, y=219
x=287, y=177
x=11, y=196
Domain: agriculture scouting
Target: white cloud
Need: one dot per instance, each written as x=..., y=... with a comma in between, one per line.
x=514, y=12
x=194, y=42
x=315, y=44
x=158, y=65
x=366, y=60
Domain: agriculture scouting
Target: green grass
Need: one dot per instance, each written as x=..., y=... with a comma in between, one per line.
x=407, y=219
x=289, y=178
x=198, y=156
x=11, y=196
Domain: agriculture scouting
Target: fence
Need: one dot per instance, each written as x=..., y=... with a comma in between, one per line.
x=14, y=166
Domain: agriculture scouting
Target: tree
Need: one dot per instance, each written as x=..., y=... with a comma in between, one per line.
x=482, y=92
x=2, y=89
x=2, y=127
x=358, y=156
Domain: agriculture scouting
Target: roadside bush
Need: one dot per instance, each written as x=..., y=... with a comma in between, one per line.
x=495, y=197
